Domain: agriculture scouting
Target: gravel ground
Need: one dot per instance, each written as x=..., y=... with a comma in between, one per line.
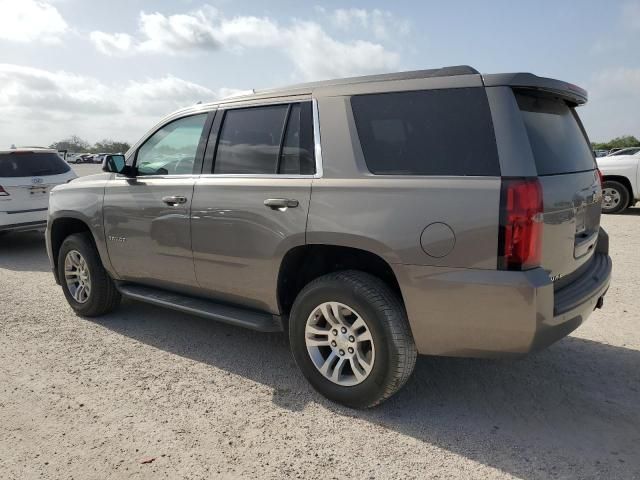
x=149, y=393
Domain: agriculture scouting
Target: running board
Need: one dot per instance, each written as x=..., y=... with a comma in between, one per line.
x=251, y=319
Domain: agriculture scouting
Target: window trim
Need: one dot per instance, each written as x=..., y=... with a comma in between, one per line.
x=198, y=161
x=212, y=143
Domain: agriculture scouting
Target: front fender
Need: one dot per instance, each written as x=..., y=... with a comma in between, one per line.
x=80, y=201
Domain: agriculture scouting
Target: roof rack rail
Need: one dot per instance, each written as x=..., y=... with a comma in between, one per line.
x=408, y=75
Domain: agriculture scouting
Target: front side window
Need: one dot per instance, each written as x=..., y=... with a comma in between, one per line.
x=266, y=140
x=172, y=149
x=428, y=132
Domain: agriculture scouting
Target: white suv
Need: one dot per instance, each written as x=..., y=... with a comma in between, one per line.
x=26, y=178
x=621, y=180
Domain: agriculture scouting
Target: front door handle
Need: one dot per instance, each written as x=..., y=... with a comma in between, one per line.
x=174, y=200
x=280, y=203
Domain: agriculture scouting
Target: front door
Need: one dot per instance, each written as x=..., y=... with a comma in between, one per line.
x=147, y=217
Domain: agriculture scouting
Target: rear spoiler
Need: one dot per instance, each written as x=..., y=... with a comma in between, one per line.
x=568, y=91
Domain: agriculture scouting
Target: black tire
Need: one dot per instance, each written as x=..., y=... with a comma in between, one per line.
x=624, y=196
x=384, y=313
x=103, y=297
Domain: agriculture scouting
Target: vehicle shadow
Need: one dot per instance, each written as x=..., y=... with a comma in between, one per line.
x=23, y=252
x=633, y=211
x=577, y=402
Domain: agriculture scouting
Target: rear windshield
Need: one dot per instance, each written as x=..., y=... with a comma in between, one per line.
x=29, y=164
x=556, y=136
x=428, y=132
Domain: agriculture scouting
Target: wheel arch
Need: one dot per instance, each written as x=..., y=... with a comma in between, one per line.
x=624, y=181
x=304, y=263
x=60, y=228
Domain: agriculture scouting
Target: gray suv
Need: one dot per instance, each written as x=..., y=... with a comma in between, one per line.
x=436, y=212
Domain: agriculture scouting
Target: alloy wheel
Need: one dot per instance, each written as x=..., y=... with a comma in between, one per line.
x=340, y=344
x=76, y=273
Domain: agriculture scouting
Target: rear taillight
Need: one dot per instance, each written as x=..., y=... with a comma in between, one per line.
x=521, y=221
x=3, y=192
x=600, y=177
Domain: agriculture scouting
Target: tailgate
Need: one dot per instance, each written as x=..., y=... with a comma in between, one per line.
x=571, y=221
x=27, y=177
x=570, y=185
x=24, y=194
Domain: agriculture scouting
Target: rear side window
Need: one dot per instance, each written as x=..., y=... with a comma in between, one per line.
x=429, y=132
x=31, y=164
x=556, y=136
x=266, y=140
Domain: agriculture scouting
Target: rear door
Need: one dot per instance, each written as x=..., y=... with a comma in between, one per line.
x=251, y=207
x=147, y=218
x=27, y=177
x=567, y=172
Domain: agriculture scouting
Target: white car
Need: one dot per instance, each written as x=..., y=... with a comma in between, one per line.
x=27, y=175
x=621, y=179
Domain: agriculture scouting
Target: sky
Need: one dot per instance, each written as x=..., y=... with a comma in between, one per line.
x=112, y=69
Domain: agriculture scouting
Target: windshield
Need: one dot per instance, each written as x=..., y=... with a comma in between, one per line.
x=557, y=140
x=31, y=164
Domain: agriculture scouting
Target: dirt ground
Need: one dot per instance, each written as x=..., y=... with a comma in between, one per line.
x=149, y=393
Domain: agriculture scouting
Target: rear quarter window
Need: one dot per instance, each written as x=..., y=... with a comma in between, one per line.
x=556, y=136
x=428, y=132
x=31, y=164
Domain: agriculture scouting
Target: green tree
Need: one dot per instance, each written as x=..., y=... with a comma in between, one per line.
x=72, y=144
x=619, y=142
x=109, y=146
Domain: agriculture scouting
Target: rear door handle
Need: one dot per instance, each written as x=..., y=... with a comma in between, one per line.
x=280, y=203
x=174, y=200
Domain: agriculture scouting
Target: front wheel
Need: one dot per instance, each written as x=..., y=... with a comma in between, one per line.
x=85, y=283
x=615, y=197
x=350, y=337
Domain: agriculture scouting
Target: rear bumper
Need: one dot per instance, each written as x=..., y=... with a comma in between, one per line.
x=491, y=313
x=574, y=303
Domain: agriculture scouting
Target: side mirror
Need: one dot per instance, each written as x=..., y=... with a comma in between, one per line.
x=115, y=164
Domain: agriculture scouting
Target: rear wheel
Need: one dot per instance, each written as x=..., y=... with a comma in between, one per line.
x=350, y=337
x=85, y=283
x=615, y=197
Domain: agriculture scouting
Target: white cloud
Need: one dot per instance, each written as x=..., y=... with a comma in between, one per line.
x=315, y=54
x=319, y=56
x=177, y=33
x=631, y=15
x=614, y=100
x=111, y=44
x=382, y=23
x=31, y=20
x=250, y=32
x=617, y=82
x=45, y=106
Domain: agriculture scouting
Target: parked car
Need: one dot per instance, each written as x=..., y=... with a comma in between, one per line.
x=75, y=158
x=624, y=151
x=621, y=180
x=337, y=211
x=26, y=178
x=600, y=153
x=97, y=158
